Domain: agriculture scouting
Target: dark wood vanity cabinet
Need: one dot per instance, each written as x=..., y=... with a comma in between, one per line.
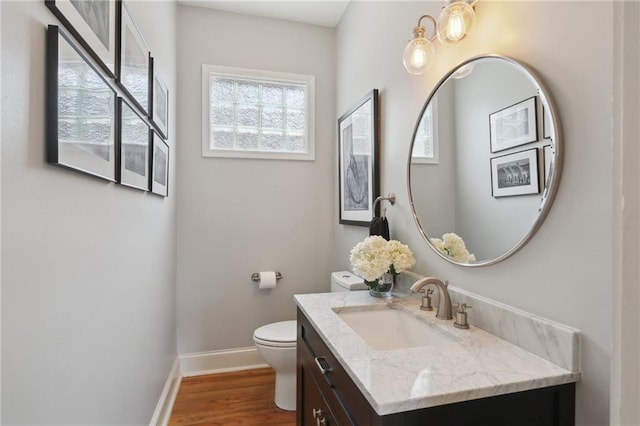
x=326, y=395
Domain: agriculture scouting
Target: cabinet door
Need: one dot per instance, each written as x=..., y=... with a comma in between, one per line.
x=312, y=401
x=325, y=416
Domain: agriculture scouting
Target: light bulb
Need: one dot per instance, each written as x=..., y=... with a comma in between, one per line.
x=456, y=28
x=418, y=55
x=456, y=21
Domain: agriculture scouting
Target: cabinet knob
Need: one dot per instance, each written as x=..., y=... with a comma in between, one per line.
x=317, y=412
x=321, y=422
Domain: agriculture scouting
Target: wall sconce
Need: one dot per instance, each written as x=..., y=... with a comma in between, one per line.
x=456, y=21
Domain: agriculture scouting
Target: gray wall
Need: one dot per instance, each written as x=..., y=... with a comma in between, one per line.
x=565, y=272
x=88, y=277
x=239, y=216
x=434, y=185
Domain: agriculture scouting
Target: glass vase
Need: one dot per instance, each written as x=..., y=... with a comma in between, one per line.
x=382, y=287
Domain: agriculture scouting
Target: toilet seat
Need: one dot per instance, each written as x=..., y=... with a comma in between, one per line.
x=279, y=334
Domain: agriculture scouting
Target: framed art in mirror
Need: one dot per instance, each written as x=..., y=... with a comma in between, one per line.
x=159, y=165
x=547, y=154
x=358, y=168
x=514, y=125
x=133, y=61
x=159, y=101
x=80, y=106
x=133, y=147
x=546, y=131
x=93, y=24
x=515, y=174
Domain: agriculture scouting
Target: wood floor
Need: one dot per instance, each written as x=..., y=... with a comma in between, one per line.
x=230, y=399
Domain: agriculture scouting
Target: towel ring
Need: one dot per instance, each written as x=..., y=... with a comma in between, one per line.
x=391, y=198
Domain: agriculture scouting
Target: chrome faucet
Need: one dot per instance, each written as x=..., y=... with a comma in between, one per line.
x=445, y=310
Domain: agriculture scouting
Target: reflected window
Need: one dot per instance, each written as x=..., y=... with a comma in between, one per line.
x=425, y=146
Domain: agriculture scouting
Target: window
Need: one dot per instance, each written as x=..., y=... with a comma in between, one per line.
x=257, y=114
x=425, y=145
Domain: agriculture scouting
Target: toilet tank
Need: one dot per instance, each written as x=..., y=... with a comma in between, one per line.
x=346, y=281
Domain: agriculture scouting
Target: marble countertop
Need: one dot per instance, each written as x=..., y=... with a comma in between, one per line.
x=477, y=365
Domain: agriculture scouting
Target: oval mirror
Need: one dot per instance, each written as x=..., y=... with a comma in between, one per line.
x=485, y=161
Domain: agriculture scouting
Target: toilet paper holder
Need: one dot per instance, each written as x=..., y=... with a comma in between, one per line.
x=256, y=276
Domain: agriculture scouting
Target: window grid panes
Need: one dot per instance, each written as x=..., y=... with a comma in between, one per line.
x=423, y=143
x=257, y=116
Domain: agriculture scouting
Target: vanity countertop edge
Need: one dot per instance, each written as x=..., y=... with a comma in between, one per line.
x=478, y=365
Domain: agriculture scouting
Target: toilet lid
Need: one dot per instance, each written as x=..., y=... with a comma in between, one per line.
x=282, y=332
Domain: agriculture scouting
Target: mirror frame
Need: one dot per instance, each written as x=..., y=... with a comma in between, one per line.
x=549, y=191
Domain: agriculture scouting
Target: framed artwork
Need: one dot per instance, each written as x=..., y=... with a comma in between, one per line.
x=81, y=107
x=93, y=24
x=546, y=124
x=514, y=125
x=358, y=169
x=133, y=147
x=159, y=101
x=133, y=61
x=515, y=174
x=159, y=165
x=547, y=154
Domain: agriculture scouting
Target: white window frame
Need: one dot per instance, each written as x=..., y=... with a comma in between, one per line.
x=266, y=76
x=434, y=159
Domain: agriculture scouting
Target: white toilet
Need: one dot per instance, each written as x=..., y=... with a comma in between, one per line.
x=276, y=344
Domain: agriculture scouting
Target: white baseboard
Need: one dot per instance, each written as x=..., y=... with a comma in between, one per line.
x=221, y=361
x=165, y=405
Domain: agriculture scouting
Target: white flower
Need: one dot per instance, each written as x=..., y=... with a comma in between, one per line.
x=452, y=246
x=401, y=256
x=370, y=258
x=374, y=256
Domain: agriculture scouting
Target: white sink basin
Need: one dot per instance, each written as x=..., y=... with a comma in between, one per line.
x=392, y=328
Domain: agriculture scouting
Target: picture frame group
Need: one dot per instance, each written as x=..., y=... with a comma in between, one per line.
x=106, y=99
x=517, y=171
x=358, y=165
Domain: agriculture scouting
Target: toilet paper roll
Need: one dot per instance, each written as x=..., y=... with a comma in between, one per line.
x=267, y=280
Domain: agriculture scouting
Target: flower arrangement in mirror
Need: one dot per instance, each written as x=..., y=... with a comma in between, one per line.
x=379, y=261
x=453, y=246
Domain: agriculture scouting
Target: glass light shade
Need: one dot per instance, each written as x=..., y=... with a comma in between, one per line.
x=418, y=56
x=456, y=21
x=463, y=71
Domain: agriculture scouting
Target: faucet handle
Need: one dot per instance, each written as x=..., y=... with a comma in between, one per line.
x=461, y=307
x=461, y=316
x=426, y=300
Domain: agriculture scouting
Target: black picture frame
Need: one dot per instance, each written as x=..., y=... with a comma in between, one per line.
x=358, y=165
x=514, y=125
x=133, y=65
x=134, y=139
x=515, y=174
x=94, y=25
x=159, y=166
x=548, y=153
x=158, y=100
x=80, y=107
x=546, y=124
